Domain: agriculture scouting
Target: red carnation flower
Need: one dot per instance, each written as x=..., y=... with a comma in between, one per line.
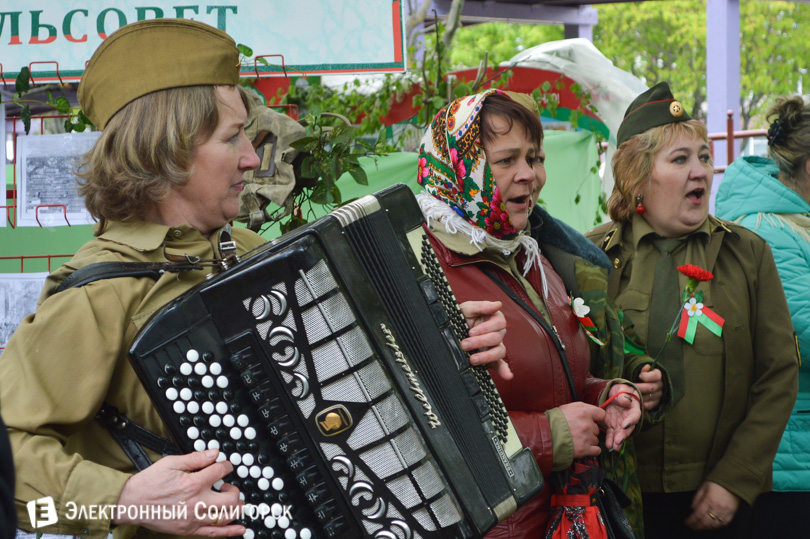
x=695, y=272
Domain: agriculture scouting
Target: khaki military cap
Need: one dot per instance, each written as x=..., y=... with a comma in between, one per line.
x=526, y=100
x=152, y=55
x=657, y=106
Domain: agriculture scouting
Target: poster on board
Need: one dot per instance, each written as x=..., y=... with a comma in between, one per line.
x=46, y=185
x=304, y=37
x=19, y=293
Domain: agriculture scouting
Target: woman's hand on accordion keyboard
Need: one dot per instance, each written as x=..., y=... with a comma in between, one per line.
x=174, y=495
x=487, y=329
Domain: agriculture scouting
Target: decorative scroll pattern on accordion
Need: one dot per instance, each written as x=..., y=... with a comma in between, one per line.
x=326, y=368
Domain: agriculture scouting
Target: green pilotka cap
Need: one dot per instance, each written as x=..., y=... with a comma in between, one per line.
x=655, y=107
x=158, y=54
x=526, y=100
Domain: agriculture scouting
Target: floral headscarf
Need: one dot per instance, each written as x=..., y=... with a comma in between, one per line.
x=453, y=170
x=453, y=167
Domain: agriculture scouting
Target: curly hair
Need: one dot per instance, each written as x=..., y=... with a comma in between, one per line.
x=791, y=151
x=634, y=159
x=146, y=150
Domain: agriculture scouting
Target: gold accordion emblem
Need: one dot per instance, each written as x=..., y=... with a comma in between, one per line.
x=333, y=420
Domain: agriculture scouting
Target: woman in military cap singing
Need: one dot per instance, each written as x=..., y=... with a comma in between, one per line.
x=163, y=180
x=706, y=297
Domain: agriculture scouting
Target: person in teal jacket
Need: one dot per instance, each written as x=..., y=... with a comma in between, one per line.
x=772, y=198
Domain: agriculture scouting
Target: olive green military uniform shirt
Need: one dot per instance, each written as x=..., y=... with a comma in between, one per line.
x=665, y=463
x=739, y=389
x=71, y=355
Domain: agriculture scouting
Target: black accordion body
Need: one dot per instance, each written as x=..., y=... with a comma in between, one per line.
x=326, y=367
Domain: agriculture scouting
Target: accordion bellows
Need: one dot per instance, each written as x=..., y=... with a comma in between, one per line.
x=327, y=368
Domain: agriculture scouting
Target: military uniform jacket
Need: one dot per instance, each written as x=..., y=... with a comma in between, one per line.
x=760, y=360
x=72, y=355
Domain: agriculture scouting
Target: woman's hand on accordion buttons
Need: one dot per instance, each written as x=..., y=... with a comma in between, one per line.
x=180, y=486
x=622, y=415
x=487, y=329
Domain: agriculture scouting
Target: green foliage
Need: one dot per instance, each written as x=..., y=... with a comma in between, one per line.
x=773, y=55
x=331, y=148
x=500, y=41
x=22, y=86
x=670, y=44
x=366, y=105
x=656, y=44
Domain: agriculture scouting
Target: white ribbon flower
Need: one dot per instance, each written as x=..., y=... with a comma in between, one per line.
x=580, y=309
x=693, y=308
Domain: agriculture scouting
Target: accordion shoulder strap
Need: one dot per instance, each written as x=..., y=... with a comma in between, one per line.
x=132, y=437
x=110, y=270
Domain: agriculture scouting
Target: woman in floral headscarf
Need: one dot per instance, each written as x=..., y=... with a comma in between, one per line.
x=481, y=165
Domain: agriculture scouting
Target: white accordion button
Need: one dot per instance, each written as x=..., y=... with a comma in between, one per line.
x=222, y=382
x=186, y=369
x=171, y=394
x=208, y=407
x=278, y=483
x=207, y=382
x=192, y=355
x=199, y=445
x=193, y=407
x=255, y=472
x=221, y=457
x=213, y=444
x=290, y=533
x=215, y=369
x=236, y=459
x=179, y=407
x=228, y=421
x=222, y=407
x=242, y=420
x=305, y=533
x=218, y=484
x=193, y=433
x=242, y=471
x=249, y=534
x=247, y=458
x=214, y=420
x=263, y=484
x=267, y=472
x=284, y=523
x=276, y=510
x=200, y=368
x=236, y=433
x=250, y=433
x=186, y=394
x=269, y=522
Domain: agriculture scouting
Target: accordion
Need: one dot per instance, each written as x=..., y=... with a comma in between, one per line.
x=327, y=368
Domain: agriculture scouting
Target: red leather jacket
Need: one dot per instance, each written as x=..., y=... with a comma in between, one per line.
x=540, y=382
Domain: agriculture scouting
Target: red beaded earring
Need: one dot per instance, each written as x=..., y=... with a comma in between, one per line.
x=640, y=209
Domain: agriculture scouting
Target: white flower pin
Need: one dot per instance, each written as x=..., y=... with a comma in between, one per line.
x=693, y=307
x=580, y=309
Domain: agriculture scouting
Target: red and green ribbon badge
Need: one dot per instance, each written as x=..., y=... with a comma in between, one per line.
x=694, y=311
x=581, y=312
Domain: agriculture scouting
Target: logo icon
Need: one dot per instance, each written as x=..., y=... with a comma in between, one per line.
x=333, y=420
x=42, y=512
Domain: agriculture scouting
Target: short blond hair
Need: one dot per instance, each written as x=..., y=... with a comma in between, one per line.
x=146, y=150
x=634, y=159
